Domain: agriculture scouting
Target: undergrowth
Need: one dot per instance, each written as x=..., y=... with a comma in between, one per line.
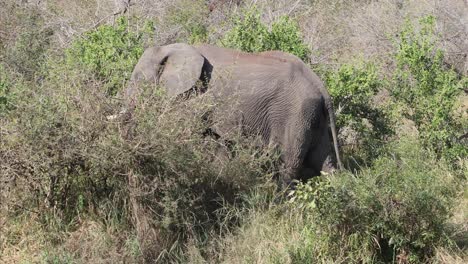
x=395, y=211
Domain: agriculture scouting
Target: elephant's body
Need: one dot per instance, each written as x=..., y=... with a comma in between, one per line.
x=273, y=94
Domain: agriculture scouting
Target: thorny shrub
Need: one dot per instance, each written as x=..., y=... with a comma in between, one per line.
x=61, y=159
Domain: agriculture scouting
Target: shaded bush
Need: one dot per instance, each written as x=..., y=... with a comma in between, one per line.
x=251, y=35
x=186, y=179
x=110, y=52
x=394, y=211
x=428, y=91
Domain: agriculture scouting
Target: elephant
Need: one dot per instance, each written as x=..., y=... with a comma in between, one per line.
x=272, y=94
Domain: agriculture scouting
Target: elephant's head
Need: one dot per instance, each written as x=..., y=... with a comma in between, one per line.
x=178, y=67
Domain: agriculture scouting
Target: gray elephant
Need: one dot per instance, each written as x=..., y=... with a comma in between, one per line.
x=273, y=94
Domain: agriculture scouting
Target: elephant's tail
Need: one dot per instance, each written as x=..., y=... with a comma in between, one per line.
x=331, y=115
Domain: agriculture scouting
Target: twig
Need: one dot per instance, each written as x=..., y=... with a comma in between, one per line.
x=5, y=34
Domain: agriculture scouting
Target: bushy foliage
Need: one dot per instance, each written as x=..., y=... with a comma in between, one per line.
x=353, y=88
x=252, y=35
x=428, y=90
x=394, y=211
x=110, y=52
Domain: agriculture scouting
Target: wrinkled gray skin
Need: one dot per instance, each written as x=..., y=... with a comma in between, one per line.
x=273, y=94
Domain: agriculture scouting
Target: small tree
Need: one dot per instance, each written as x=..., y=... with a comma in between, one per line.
x=352, y=89
x=109, y=52
x=427, y=90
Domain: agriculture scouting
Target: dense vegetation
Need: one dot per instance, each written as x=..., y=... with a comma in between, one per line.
x=76, y=189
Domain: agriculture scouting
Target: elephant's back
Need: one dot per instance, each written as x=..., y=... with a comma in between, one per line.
x=265, y=91
x=220, y=56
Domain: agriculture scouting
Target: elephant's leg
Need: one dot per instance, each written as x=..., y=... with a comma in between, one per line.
x=316, y=152
x=319, y=156
x=294, y=150
x=307, y=173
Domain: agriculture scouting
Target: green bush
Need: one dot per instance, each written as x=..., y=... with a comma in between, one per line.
x=109, y=52
x=428, y=91
x=286, y=36
x=394, y=211
x=251, y=35
x=248, y=34
x=352, y=88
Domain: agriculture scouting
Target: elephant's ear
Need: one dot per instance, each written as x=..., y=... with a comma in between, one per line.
x=182, y=69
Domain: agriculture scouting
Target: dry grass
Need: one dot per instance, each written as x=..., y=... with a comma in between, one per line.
x=92, y=242
x=459, y=223
x=266, y=237
x=22, y=240
x=444, y=256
